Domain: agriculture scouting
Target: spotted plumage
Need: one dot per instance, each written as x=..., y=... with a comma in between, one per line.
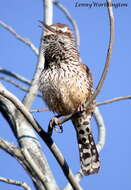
x=66, y=84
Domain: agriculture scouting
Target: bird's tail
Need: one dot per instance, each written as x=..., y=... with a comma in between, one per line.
x=89, y=156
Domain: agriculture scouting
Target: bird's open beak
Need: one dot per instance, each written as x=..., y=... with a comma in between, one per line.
x=47, y=27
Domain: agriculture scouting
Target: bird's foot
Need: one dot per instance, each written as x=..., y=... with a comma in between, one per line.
x=54, y=124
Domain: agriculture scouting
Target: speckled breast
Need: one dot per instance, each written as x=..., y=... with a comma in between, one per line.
x=64, y=88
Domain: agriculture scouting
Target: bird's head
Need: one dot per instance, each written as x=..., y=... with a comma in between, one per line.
x=57, y=29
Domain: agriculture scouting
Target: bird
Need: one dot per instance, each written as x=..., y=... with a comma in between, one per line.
x=66, y=84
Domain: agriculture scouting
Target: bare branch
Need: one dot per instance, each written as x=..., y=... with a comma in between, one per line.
x=14, y=83
x=8, y=110
x=78, y=178
x=48, y=15
x=11, y=149
x=101, y=129
x=14, y=182
x=114, y=100
x=39, y=110
x=19, y=37
x=15, y=152
x=73, y=22
x=21, y=87
x=4, y=92
x=44, y=179
x=48, y=11
x=47, y=139
x=14, y=75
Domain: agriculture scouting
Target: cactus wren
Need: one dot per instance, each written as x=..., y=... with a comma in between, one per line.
x=66, y=84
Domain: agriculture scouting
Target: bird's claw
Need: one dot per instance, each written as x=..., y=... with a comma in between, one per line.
x=52, y=125
x=58, y=129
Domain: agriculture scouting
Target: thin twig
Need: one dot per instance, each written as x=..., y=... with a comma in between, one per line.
x=39, y=110
x=11, y=149
x=19, y=37
x=14, y=151
x=47, y=139
x=113, y=100
x=21, y=87
x=109, y=54
x=73, y=22
x=116, y=99
x=14, y=182
x=15, y=75
x=14, y=83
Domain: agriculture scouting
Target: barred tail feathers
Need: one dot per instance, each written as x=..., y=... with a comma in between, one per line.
x=89, y=156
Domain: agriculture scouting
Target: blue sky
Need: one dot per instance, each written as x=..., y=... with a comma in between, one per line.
x=93, y=23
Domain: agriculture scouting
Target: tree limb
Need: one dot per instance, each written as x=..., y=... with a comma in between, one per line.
x=78, y=178
x=28, y=99
x=48, y=12
x=19, y=37
x=47, y=139
x=8, y=108
x=14, y=182
x=116, y=99
x=16, y=152
x=101, y=129
x=44, y=178
x=11, y=149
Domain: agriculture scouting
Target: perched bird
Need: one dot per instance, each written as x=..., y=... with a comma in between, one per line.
x=66, y=84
